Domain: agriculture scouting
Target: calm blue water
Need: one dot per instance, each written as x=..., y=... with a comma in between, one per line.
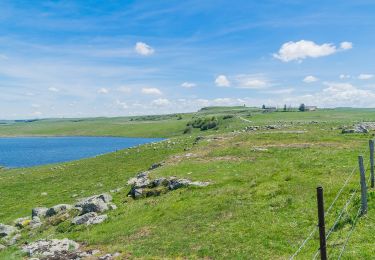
x=32, y=151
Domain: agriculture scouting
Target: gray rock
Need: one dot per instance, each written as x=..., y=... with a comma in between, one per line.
x=13, y=240
x=90, y=218
x=141, y=180
x=58, y=209
x=136, y=192
x=6, y=230
x=35, y=222
x=50, y=248
x=154, y=166
x=2, y=247
x=39, y=212
x=178, y=183
x=97, y=203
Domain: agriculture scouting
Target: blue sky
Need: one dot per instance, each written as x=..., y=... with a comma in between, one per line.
x=111, y=58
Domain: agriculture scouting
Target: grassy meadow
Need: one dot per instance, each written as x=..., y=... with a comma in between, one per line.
x=261, y=203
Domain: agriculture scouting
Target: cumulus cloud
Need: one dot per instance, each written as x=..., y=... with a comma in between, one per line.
x=143, y=49
x=37, y=113
x=151, y=91
x=303, y=49
x=103, y=91
x=124, y=89
x=310, y=79
x=188, y=85
x=365, y=76
x=53, y=89
x=161, y=102
x=222, y=81
x=346, y=45
x=121, y=104
x=344, y=76
x=252, y=81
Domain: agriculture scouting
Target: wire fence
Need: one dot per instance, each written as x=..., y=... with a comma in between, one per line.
x=341, y=213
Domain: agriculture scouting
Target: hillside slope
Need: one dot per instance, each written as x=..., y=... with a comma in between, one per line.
x=260, y=203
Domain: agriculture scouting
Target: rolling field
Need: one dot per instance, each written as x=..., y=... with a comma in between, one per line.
x=261, y=203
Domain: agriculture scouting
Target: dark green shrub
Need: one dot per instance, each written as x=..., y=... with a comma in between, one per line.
x=228, y=116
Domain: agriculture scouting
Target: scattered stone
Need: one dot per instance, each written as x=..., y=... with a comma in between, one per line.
x=58, y=209
x=155, y=165
x=74, y=195
x=14, y=239
x=146, y=187
x=89, y=219
x=44, y=194
x=2, y=247
x=35, y=222
x=39, y=212
x=6, y=230
x=141, y=180
x=51, y=248
x=97, y=203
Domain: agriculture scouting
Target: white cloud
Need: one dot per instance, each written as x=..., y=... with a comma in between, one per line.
x=280, y=91
x=151, y=91
x=37, y=113
x=344, y=76
x=303, y=49
x=124, y=89
x=103, y=91
x=53, y=89
x=222, y=81
x=252, y=81
x=143, y=49
x=188, y=85
x=161, y=102
x=123, y=105
x=310, y=79
x=365, y=76
x=346, y=45
x=35, y=105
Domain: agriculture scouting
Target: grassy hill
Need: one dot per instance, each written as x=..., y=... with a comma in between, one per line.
x=261, y=203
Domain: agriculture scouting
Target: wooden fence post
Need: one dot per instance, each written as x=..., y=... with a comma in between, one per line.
x=322, y=232
x=371, y=144
x=363, y=185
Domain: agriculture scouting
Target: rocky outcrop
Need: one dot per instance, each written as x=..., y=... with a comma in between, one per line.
x=39, y=212
x=97, y=203
x=143, y=186
x=90, y=218
x=6, y=230
x=51, y=248
x=58, y=209
x=61, y=249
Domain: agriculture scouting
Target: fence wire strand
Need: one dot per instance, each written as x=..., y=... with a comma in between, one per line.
x=350, y=233
x=328, y=211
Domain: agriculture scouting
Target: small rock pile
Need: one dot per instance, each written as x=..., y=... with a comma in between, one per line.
x=143, y=186
x=84, y=211
x=359, y=128
x=57, y=249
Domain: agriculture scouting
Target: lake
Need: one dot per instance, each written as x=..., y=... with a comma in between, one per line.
x=33, y=151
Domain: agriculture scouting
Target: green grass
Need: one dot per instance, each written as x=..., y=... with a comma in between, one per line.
x=261, y=203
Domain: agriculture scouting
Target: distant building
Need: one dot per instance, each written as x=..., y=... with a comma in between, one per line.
x=311, y=108
x=268, y=109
